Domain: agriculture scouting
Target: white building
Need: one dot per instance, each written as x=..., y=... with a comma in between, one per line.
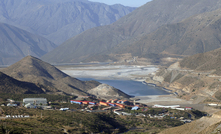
x=35, y=101
x=161, y=106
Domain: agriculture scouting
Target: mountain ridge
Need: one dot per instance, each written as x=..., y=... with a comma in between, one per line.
x=127, y=31
x=59, y=20
x=16, y=43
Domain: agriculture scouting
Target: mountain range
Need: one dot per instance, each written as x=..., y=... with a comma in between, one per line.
x=157, y=28
x=16, y=43
x=59, y=20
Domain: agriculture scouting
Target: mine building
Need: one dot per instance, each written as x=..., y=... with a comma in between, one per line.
x=35, y=101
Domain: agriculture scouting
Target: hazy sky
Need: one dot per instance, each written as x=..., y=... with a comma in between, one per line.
x=131, y=3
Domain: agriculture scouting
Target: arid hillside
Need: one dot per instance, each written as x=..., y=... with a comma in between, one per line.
x=34, y=70
x=197, y=77
x=155, y=29
x=10, y=85
x=209, y=61
x=52, y=80
x=204, y=125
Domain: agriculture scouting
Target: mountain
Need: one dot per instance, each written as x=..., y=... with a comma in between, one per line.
x=48, y=77
x=13, y=86
x=197, y=34
x=108, y=43
x=59, y=20
x=16, y=43
x=195, y=78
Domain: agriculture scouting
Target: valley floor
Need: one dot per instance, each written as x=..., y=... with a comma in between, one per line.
x=131, y=72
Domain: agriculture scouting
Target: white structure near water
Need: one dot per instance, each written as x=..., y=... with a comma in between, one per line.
x=35, y=101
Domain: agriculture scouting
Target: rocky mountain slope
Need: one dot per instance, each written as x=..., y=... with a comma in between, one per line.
x=59, y=20
x=13, y=86
x=34, y=70
x=127, y=36
x=209, y=61
x=197, y=34
x=16, y=43
x=106, y=91
x=194, y=78
x=204, y=125
x=52, y=80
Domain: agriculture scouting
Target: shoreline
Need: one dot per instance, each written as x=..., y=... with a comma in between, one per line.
x=127, y=73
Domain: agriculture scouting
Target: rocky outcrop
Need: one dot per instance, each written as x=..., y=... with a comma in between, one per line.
x=105, y=91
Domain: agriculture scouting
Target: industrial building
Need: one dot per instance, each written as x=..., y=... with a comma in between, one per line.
x=161, y=106
x=35, y=101
x=83, y=102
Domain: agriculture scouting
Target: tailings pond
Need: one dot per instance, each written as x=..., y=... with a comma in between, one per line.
x=133, y=88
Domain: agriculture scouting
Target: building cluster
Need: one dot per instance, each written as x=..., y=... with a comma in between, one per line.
x=30, y=103
x=34, y=102
x=163, y=115
x=83, y=102
x=17, y=116
x=12, y=103
x=109, y=103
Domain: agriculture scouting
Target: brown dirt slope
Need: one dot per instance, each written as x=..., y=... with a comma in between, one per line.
x=204, y=125
x=13, y=86
x=105, y=91
x=204, y=62
x=34, y=70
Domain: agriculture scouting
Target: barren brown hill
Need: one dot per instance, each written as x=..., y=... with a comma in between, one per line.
x=34, y=70
x=205, y=125
x=124, y=34
x=195, y=78
x=13, y=86
x=209, y=61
